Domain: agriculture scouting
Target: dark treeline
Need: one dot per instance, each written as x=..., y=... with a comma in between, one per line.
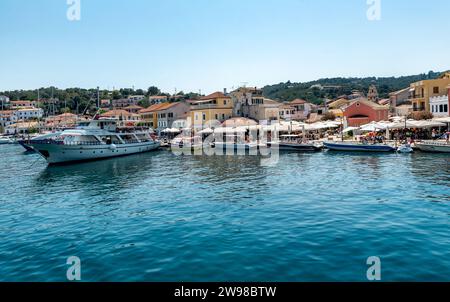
x=309, y=91
x=80, y=100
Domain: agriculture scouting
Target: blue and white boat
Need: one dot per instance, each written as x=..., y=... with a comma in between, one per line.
x=96, y=139
x=358, y=147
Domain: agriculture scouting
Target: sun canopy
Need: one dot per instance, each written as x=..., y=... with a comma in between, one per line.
x=171, y=130
x=346, y=130
x=206, y=131
x=442, y=120
x=222, y=130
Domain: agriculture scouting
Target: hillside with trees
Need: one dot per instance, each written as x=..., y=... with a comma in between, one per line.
x=331, y=88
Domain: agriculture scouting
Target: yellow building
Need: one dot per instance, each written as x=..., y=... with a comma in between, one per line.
x=338, y=104
x=149, y=116
x=211, y=109
x=422, y=91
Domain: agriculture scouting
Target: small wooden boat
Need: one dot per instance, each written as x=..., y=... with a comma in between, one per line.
x=358, y=147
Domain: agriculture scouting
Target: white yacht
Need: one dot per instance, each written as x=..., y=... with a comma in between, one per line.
x=440, y=146
x=91, y=140
x=295, y=143
x=6, y=140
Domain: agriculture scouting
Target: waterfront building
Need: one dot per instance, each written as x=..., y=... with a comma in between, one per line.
x=29, y=113
x=398, y=98
x=122, y=103
x=339, y=103
x=105, y=103
x=149, y=116
x=213, y=107
x=439, y=106
x=250, y=103
x=21, y=128
x=157, y=99
x=136, y=98
x=266, y=112
x=422, y=91
x=287, y=112
x=171, y=112
x=65, y=120
x=164, y=115
x=244, y=97
x=133, y=108
x=7, y=118
x=22, y=104
x=4, y=102
x=384, y=102
x=123, y=117
x=362, y=111
x=302, y=109
x=403, y=110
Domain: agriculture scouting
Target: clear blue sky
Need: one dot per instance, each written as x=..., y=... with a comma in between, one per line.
x=213, y=44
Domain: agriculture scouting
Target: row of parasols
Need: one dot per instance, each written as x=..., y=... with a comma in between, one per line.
x=276, y=127
x=400, y=124
x=294, y=126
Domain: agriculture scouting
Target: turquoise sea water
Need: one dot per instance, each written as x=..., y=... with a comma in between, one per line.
x=159, y=217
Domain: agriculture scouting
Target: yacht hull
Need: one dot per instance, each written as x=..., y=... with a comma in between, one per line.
x=358, y=147
x=25, y=144
x=59, y=153
x=295, y=147
x=235, y=148
x=433, y=148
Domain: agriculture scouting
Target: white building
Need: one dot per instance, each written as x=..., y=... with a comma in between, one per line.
x=4, y=99
x=136, y=98
x=21, y=128
x=29, y=113
x=157, y=99
x=7, y=118
x=439, y=106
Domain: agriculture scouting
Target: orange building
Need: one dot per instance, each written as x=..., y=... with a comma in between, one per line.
x=363, y=111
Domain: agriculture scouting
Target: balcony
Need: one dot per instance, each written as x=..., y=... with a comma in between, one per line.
x=204, y=107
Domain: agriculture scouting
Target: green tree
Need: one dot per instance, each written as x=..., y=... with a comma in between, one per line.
x=153, y=90
x=144, y=103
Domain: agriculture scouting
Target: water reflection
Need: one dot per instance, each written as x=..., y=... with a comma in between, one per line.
x=432, y=168
x=101, y=176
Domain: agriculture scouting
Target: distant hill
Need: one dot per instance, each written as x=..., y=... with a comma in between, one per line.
x=316, y=91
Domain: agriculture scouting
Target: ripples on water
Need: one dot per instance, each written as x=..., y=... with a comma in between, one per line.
x=158, y=217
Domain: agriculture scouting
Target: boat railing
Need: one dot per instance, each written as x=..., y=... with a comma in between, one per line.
x=434, y=143
x=131, y=141
x=82, y=143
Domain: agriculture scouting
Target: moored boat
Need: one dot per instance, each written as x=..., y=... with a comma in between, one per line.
x=434, y=146
x=406, y=148
x=295, y=143
x=6, y=140
x=186, y=144
x=96, y=139
x=236, y=143
x=358, y=147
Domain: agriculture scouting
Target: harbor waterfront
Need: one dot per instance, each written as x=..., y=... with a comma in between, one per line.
x=160, y=217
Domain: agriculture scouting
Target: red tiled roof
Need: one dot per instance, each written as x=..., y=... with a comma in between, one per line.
x=158, y=107
x=116, y=113
x=298, y=101
x=215, y=95
x=20, y=102
x=133, y=107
